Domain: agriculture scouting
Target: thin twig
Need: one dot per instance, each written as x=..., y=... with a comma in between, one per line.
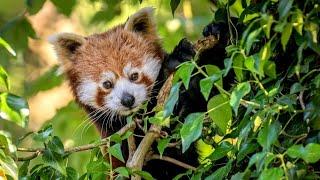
x=86, y=147
x=171, y=160
x=174, y=144
x=303, y=106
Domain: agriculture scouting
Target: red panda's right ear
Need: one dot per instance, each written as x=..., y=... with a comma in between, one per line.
x=142, y=22
x=66, y=44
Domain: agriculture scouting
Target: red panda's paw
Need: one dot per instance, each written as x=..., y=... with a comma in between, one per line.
x=215, y=29
x=183, y=52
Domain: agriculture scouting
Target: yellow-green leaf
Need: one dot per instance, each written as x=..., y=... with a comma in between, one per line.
x=220, y=111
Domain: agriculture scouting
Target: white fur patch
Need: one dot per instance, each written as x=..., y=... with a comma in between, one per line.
x=151, y=67
x=87, y=91
x=123, y=85
x=129, y=69
x=108, y=75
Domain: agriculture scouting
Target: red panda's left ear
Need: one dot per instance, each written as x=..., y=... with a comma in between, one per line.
x=142, y=22
x=65, y=45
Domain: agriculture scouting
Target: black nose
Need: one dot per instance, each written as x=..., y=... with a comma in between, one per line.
x=127, y=100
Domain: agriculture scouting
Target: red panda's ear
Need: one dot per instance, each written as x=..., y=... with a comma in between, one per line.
x=66, y=44
x=142, y=22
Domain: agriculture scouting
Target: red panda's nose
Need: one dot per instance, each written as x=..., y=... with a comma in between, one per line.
x=127, y=100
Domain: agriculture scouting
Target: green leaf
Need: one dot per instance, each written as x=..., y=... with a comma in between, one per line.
x=8, y=165
x=296, y=87
x=227, y=64
x=123, y=171
x=268, y=134
x=266, y=22
x=269, y=69
x=221, y=151
x=213, y=70
x=72, y=174
x=184, y=72
x=4, y=78
x=252, y=37
x=297, y=20
x=238, y=176
x=159, y=120
x=265, y=52
x=285, y=35
x=162, y=144
x=245, y=149
x=54, y=160
x=20, y=26
x=65, y=7
x=171, y=101
x=221, y=173
x=23, y=169
x=238, y=61
x=174, y=4
x=313, y=29
x=7, y=46
x=237, y=94
x=33, y=6
x=110, y=11
x=204, y=150
x=257, y=159
x=220, y=111
x=310, y=153
x=115, y=151
x=206, y=84
x=115, y=138
x=6, y=143
x=99, y=166
x=273, y=173
x=43, y=134
x=252, y=63
x=284, y=7
x=191, y=129
x=55, y=145
x=14, y=108
x=145, y=175
x=48, y=80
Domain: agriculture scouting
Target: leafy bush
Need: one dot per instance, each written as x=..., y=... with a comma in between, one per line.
x=266, y=125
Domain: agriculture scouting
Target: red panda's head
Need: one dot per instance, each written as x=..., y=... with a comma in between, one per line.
x=115, y=70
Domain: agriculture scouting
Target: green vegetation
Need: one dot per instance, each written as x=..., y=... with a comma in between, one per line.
x=266, y=126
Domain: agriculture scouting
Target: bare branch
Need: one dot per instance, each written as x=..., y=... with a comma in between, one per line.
x=171, y=160
x=86, y=147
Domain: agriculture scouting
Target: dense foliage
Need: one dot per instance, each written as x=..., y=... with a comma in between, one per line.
x=265, y=124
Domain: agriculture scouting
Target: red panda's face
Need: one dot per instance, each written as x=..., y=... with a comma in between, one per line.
x=114, y=71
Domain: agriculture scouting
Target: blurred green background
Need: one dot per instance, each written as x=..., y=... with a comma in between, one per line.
x=34, y=73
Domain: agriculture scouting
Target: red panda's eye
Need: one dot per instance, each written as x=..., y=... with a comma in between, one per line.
x=134, y=77
x=107, y=84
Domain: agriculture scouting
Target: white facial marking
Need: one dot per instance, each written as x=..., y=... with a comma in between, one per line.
x=151, y=67
x=87, y=91
x=108, y=75
x=128, y=70
x=123, y=85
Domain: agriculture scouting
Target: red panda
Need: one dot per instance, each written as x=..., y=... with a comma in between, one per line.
x=113, y=73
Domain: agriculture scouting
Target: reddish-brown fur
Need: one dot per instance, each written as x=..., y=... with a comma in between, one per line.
x=111, y=50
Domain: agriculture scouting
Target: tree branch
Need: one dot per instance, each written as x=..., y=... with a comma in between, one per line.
x=171, y=160
x=86, y=147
